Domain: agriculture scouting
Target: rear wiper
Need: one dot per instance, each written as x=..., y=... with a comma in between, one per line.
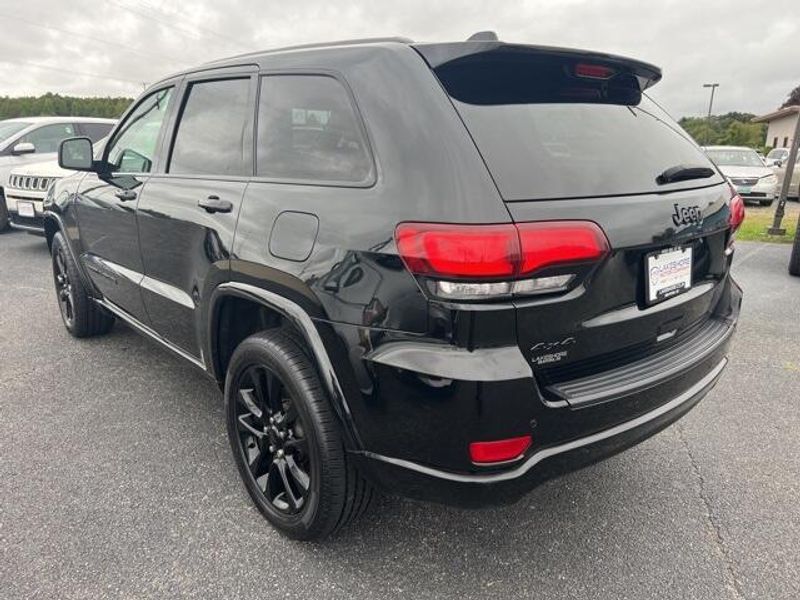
x=682, y=173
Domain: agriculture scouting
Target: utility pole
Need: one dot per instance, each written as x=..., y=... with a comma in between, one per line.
x=713, y=87
x=776, y=228
x=794, y=260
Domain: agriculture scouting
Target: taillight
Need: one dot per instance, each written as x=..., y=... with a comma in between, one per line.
x=552, y=243
x=737, y=212
x=491, y=261
x=498, y=451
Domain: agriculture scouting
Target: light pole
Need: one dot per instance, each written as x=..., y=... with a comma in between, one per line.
x=713, y=87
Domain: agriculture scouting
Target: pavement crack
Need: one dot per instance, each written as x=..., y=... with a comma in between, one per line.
x=712, y=524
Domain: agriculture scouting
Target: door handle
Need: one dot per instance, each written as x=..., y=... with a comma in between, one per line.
x=213, y=204
x=125, y=195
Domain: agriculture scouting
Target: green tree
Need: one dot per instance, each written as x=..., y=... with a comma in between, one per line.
x=731, y=129
x=50, y=104
x=793, y=99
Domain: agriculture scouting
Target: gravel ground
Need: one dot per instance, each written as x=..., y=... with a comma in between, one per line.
x=116, y=482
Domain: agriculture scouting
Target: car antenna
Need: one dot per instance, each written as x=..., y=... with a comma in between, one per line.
x=483, y=36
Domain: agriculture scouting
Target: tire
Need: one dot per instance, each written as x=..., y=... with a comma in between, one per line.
x=291, y=456
x=81, y=316
x=3, y=213
x=765, y=202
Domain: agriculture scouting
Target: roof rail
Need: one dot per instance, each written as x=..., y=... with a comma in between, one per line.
x=376, y=40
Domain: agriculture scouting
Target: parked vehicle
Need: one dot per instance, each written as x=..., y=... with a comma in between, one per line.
x=36, y=139
x=794, y=186
x=27, y=188
x=777, y=156
x=412, y=266
x=752, y=179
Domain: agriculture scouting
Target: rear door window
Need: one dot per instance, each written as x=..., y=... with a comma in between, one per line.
x=214, y=132
x=547, y=134
x=308, y=130
x=96, y=131
x=48, y=137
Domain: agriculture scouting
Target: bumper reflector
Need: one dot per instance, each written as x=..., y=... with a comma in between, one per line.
x=498, y=451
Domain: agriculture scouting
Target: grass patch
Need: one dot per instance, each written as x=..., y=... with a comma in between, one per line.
x=759, y=219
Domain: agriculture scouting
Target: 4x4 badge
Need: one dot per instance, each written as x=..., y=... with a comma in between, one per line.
x=686, y=215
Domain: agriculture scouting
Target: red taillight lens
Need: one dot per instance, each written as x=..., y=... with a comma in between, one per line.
x=459, y=251
x=560, y=242
x=737, y=212
x=497, y=251
x=499, y=450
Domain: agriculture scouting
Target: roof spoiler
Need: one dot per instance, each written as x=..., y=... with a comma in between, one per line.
x=481, y=46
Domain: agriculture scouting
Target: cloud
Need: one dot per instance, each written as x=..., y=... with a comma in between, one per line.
x=113, y=47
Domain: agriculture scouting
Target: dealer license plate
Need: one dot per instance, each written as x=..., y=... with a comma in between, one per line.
x=668, y=273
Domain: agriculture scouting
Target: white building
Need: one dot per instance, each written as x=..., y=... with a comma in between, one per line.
x=780, y=126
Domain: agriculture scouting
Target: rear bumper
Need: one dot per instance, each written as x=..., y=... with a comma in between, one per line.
x=483, y=489
x=416, y=428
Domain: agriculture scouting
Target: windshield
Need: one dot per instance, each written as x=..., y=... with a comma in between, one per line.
x=9, y=128
x=777, y=153
x=735, y=158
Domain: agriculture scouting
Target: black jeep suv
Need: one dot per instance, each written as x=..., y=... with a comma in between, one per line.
x=445, y=270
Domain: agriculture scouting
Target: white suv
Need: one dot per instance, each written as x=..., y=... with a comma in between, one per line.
x=34, y=139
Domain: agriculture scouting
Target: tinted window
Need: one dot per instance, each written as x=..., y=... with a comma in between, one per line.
x=541, y=151
x=48, y=137
x=214, y=131
x=96, y=131
x=308, y=130
x=134, y=145
x=549, y=127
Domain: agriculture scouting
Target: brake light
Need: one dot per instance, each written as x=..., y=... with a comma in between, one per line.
x=498, y=451
x=474, y=261
x=591, y=71
x=737, y=212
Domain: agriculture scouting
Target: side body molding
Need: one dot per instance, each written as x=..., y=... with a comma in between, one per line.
x=304, y=324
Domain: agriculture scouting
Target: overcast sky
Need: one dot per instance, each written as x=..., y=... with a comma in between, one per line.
x=110, y=47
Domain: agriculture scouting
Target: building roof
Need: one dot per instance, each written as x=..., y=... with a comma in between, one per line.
x=777, y=114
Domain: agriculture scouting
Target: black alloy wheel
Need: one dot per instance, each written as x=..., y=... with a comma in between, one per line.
x=287, y=440
x=272, y=440
x=64, y=291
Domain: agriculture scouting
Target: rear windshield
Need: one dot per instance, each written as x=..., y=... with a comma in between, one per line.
x=545, y=134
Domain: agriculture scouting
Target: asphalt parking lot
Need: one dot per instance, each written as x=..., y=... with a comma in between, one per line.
x=116, y=482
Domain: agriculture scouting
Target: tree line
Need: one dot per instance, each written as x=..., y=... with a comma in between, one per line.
x=731, y=129
x=62, y=106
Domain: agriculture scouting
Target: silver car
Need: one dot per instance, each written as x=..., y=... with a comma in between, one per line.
x=794, y=186
x=754, y=181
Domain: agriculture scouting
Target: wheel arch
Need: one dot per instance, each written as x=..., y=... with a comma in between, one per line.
x=54, y=224
x=287, y=313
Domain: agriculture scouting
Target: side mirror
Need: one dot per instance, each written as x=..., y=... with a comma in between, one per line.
x=75, y=154
x=778, y=164
x=23, y=148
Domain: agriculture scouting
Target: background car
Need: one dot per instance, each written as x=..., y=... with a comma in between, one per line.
x=747, y=173
x=34, y=139
x=777, y=156
x=27, y=188
x=794, y=187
